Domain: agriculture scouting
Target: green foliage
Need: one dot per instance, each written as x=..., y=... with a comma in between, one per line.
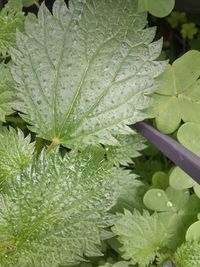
x=175, y=18
x=188, y=255
x=7, y=95
x=16, y=152
x=157, y=8
x=193, y=232
x=55, y=209
x=128, y=148
x=73, y=86
x=188, y=135
x=176, y=209
x=189, y=30
x=81, y=75
x=10, y=20
x=178, y=95
x=143, y=236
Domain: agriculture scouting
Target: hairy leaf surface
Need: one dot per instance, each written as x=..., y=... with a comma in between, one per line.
x=16, y=152
x=55, y=210
x=10, y=20
x=7, y=95
x=85, y=72
x=142, y=236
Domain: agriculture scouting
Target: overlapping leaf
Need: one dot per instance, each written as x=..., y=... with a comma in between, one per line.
x=158, y=8
x=178, y=97
x=83, y=73
x=16, y=152
x=55, y=210
x=142, y=236
x=10, y=20
x=7, y=95
x=188, y=135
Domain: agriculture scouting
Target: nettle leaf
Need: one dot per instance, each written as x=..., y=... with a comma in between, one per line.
x=143, y=236
x=132, y=192
x=178, y=97
x=16, y=152
x=85, y=72
x=56, y=209
x=7, y=95
x=187, y=255
x=128, y=148
x=10, y=20
x=158, y=8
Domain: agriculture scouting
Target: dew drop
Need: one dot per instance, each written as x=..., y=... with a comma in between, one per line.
x=159, y=194
x=169, y=204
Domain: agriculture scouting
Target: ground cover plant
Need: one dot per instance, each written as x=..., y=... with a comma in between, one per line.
x=78, y=187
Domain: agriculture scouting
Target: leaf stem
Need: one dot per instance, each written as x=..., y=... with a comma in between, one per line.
x=55, y=143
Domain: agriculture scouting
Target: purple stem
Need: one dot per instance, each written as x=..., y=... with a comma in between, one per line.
x=181, y=156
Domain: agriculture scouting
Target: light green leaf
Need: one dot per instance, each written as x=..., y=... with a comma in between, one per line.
x=55, y=210
x=16, y=152
x=187, y=255
x=7, y=95
x=132, y=191
x=85, y=72
x=158, y=8
x=180, y=180
x=156, y=199
x=188, y=135
x=193, y=232
x=10, y=20
x=128, y=148
x=177, y=211
x=178, y=97
x=142, y=236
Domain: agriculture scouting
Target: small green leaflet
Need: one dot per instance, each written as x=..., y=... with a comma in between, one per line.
x=85, y=72
x=7, y=95
x=55, y=210
x=188, y=135
x=157, y=8
x=179, y=94
x=142, y=236
x=193, y=232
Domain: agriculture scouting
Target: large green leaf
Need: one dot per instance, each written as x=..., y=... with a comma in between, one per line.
x=55, y=210
x=85, y=72
x=178, y=97
x=7, y=95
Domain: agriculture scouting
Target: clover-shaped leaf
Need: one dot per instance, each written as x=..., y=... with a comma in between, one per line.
x=193, y=232
x=178, y=97
x=180, y=180
x=158, y=8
